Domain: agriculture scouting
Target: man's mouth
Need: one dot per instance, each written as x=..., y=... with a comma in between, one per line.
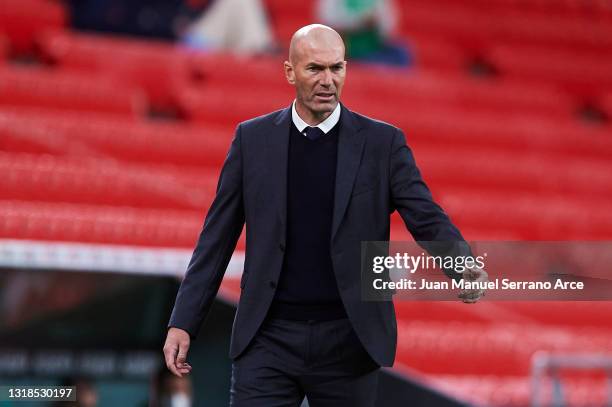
x=325, y=96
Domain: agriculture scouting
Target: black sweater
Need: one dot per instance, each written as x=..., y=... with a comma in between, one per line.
x=307, y=288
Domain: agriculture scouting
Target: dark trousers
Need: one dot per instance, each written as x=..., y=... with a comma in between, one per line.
x=287, y=360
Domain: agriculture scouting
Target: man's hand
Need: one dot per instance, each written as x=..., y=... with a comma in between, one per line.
x=473, y=295
x=175, y=351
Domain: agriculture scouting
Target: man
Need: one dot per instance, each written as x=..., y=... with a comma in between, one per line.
x=311, y=182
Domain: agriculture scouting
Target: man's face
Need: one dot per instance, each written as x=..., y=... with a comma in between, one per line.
x=317, y=71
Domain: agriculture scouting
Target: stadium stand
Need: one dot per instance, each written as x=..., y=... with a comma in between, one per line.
x=507, y=154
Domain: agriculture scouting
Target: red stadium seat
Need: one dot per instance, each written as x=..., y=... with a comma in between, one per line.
x=52, y=89
x=585, y=74
x=210, y=104
x=23, y=20
x=437, y=53
x=157, y=67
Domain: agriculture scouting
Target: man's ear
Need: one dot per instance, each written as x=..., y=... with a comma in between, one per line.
x=289, y=72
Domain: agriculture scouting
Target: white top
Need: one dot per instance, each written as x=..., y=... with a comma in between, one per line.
x=326, y=125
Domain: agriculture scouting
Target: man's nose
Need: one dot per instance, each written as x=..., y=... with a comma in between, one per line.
x=326, y=78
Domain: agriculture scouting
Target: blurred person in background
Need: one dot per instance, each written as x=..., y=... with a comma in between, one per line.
x=302, y=327
x=240, y=26
x=163, y=19
x=168, y=390
x=367, y=27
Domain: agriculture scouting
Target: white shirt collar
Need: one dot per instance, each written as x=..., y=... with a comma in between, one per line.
x=326, y=125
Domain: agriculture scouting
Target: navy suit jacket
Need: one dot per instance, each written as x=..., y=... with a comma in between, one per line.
x=376, y=174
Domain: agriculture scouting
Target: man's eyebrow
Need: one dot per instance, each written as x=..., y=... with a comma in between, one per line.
x=314, y=65
x=317, y=65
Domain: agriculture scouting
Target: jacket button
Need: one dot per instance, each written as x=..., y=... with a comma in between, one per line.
x=272, y=284
x=282, y=247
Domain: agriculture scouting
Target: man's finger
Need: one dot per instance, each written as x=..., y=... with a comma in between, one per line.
x=182, y=354
x=185, y=370
x=170, y=355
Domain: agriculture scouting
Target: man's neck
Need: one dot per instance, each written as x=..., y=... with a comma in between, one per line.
x=310, y=117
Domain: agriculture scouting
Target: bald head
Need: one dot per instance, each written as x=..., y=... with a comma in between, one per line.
x=313, y=37
x=316, y=67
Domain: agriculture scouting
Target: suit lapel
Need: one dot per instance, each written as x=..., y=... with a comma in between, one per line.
x=350, y=147
x=278, y=152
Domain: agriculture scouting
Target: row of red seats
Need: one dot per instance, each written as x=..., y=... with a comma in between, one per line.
x=495, y=348
x=515, y=172
x=432, y=89
x=448, y=126
x=579, y=218
x=575, y=74
x=184, y=145
x=50, y=89
x=156, y=67
x=517, y=391
x=107, y=182
x=68, y=133
x=26, y=226
x=49, y=221
x=585, y=74
x=534, y=216
x=563, y=313
x=520, y=217
x=571, y=315
x=103, y=181
x=478, y=27
x=53, y=89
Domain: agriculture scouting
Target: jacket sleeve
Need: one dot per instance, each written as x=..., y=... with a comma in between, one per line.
x=216, y=243
x=425, y=219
